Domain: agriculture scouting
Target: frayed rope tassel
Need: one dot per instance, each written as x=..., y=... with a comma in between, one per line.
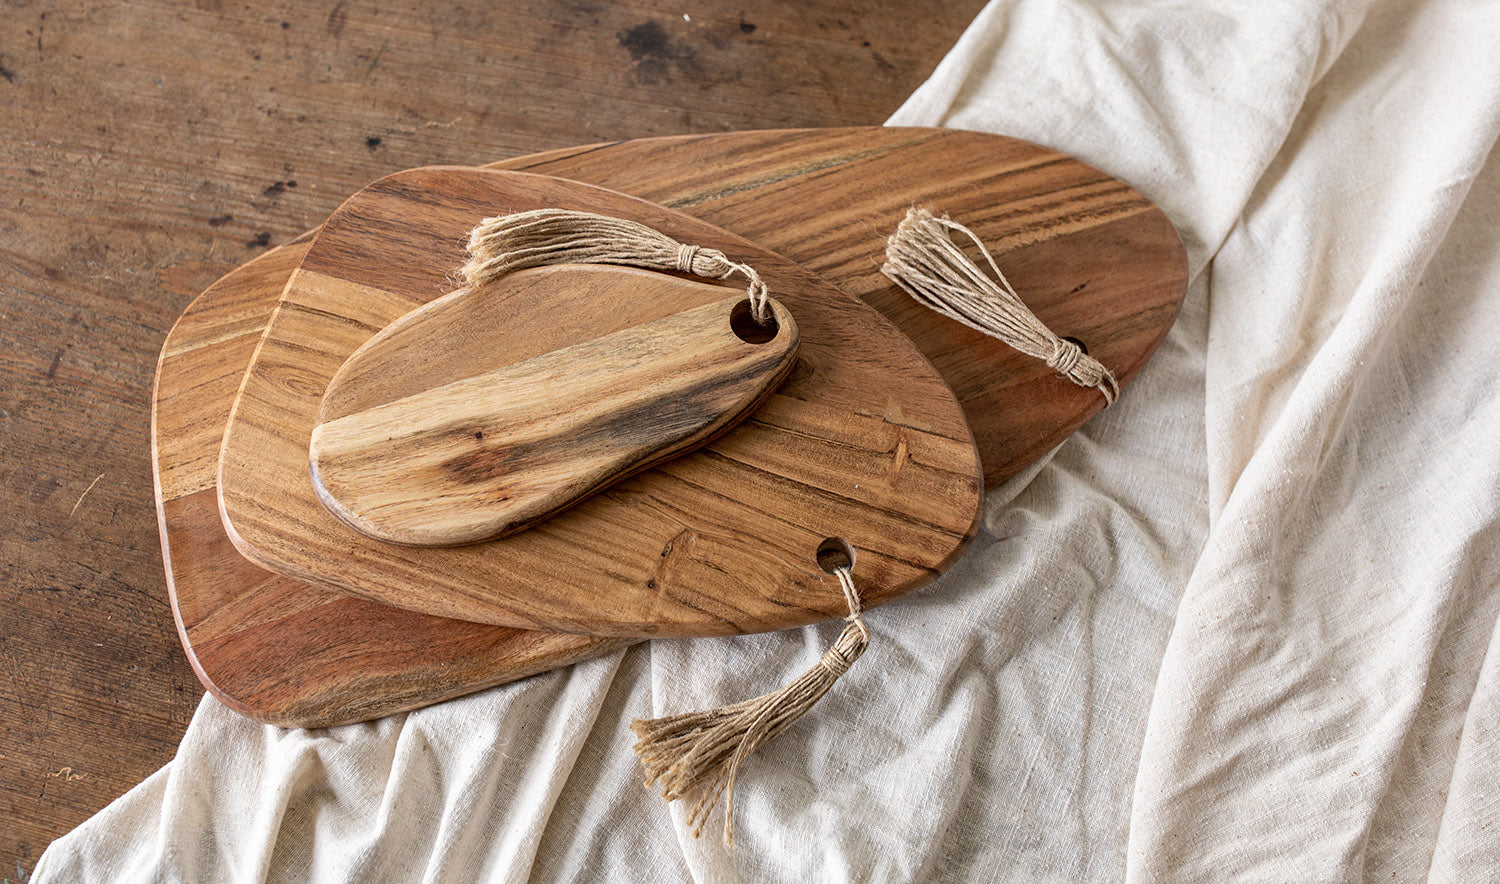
x=507, y=243
x=695, y=756
x=923, y=259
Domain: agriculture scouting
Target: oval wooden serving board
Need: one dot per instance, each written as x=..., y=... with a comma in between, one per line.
x=864, y=443
x=286, y=652
x=455, y=424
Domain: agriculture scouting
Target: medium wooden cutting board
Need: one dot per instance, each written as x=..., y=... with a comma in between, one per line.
x=863, y=444
x=289, y=653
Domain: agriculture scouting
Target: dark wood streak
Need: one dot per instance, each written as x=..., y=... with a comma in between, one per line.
x=687, y=413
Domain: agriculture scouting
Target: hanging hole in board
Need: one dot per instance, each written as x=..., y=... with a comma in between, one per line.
x=1079, y=344
x=747, y=328
x=835, y=553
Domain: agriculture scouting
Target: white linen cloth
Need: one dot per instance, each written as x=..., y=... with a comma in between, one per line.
x=1241, y=626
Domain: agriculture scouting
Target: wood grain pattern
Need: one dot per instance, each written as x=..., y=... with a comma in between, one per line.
x=765, y=178
x=482, y=432
x=863, y=442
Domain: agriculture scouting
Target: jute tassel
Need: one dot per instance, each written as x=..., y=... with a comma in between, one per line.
x=508, y=243
x=923, y=259
x=696, y=756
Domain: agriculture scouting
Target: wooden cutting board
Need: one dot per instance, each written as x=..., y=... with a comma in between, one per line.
x=864, y=444
x=289, y=653
x=435, y=432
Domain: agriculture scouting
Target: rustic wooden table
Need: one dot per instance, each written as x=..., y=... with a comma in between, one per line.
x=147, y=148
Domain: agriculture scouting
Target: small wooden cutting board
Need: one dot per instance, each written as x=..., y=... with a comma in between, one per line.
x=447, y=428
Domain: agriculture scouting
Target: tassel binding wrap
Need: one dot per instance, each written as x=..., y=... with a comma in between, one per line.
x=507, y=243
x=695, y=756
x=923, y=259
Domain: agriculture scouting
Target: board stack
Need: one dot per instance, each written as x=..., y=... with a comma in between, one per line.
x=872, y=436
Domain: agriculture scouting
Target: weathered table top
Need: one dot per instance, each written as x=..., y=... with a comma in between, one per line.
x=147, y=149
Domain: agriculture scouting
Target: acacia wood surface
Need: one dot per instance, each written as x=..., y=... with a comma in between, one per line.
x=356, y=658
x=146, y=149
x=864, y=442
x=455, y=424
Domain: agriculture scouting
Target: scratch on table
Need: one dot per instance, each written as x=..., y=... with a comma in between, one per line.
x=84, y=494
x=66, y=774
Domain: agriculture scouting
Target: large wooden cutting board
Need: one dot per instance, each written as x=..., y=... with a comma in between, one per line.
x=863, y=444
x=289, y=653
